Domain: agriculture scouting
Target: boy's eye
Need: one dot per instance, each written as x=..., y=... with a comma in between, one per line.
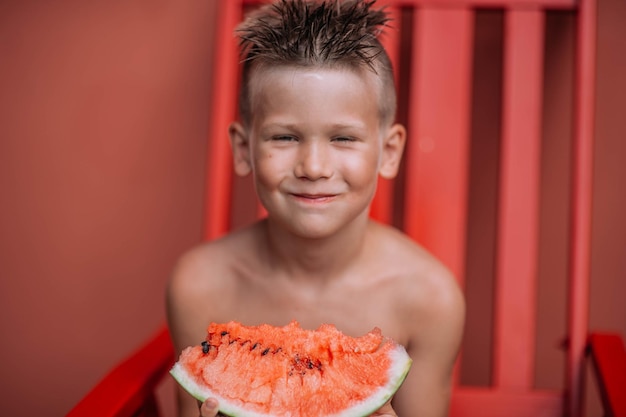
x=343, y=139
x=284, y=138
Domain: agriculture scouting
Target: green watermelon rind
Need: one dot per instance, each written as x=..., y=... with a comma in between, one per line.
x=401, y=364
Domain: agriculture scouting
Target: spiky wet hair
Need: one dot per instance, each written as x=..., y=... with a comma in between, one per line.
x=316, y=33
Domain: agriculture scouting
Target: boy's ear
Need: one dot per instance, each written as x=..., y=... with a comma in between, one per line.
x=241, y=149
x=393, y=147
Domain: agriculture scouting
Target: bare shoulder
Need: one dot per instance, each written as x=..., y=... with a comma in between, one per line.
x=202, y=279
x=409, y=259
x=198, y=268
x=426, y=291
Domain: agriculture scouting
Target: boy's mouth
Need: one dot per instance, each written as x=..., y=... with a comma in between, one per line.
x=314, y=198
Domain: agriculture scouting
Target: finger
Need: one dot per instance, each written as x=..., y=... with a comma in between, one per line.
x=385, y=411
x=209, y=408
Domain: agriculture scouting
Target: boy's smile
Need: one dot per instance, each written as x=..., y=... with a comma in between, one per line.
x=314, y=145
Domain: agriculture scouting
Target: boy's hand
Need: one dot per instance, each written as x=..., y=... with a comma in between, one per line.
x=209, y=408
x=385, y=411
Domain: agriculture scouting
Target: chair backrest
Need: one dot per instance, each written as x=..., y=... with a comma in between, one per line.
x=432, y=50
x=608, y=356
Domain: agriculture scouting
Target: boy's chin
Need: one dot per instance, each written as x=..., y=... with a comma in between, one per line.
x=316, y=228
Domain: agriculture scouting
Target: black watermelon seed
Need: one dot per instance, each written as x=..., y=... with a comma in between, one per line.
x=205, y=347
x=265, y=352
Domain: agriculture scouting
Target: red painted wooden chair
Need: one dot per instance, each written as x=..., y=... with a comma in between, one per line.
x=429, y=201
x=608, y=357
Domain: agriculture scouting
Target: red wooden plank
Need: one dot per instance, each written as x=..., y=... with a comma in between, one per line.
x=438, y=146
x=485, y=402
x=580, y=249
x=609, y=359
x=516, y=257
x=382, y=205
x=510, y=4
x=506, y=4
x=225, y=82
x=129, y=387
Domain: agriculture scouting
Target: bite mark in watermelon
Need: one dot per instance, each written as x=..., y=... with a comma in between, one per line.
x=263, y=371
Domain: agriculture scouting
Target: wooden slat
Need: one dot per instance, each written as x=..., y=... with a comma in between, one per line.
x=485, y=402
x=506, y=4
x=460, y=4
x=517, y=246
x=128, y=388
x=382, y=205
x=608, y=356
x=219, y=161
x=438, y=144
x=582, y=194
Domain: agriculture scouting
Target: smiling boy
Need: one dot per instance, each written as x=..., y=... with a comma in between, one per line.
x=317, y=130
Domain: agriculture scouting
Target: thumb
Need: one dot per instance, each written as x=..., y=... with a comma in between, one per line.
x=385, y=411
x=209, y=408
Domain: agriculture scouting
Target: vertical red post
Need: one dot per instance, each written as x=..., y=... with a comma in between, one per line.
x=518, y=219
x=438, y=146
x=437, y=157
x=219, y=162
x=580, y=249
x=382, y=205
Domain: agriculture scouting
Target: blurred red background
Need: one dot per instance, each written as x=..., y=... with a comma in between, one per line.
x=104, y=115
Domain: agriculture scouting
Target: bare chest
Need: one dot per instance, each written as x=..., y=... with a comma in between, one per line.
x=354, y=308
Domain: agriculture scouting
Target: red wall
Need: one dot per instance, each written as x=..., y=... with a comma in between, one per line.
x=103, y=121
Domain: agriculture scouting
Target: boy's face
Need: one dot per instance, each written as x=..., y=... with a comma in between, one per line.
x=316, y=146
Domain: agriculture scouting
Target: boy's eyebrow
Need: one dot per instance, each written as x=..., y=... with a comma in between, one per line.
x=356, y=125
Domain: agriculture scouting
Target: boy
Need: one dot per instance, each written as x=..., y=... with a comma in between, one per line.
x=317, y=128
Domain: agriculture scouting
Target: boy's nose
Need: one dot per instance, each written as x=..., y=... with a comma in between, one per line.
x=313, y=162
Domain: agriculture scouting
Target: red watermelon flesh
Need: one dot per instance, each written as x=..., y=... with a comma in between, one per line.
x=289, y=371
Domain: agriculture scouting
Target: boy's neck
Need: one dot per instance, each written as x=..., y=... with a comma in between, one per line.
x=319, y=258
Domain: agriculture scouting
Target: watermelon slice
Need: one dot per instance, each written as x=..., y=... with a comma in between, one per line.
x=264, y=371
